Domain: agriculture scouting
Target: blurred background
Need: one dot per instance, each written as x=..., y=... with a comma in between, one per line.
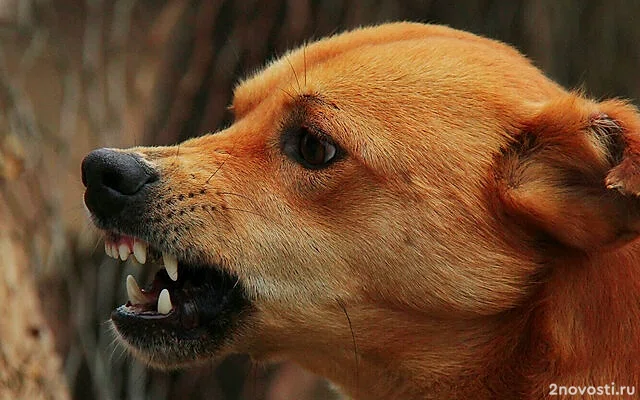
x=76, y=75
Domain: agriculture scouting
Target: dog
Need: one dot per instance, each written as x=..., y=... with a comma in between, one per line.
x=412, y=211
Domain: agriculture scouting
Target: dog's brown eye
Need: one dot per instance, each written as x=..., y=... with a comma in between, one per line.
x=315, y=151
x=310, y=147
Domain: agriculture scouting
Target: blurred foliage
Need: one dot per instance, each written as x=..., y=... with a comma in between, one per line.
x=78, y=75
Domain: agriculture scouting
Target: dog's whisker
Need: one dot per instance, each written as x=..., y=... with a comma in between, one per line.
x=235, y=284
x=231, y=225
x=295, y=75
x=228, y=223
x=221, y=165
x=218, y=234
x=96, y=245
x=287, y=93
x=355, y=344
x=251, y=202
x=237, y=195
x=216, y=171
x=249, y=212
x=304, y=57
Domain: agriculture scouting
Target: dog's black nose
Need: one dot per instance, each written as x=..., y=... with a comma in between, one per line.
x=118, y=171
x=113, y=179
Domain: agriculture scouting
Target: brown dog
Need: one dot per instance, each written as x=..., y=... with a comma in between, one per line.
x=409, y=210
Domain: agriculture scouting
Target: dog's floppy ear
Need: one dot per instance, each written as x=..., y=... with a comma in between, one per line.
x=572, y=173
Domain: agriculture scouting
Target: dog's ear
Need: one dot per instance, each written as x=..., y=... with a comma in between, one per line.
x=572, y=173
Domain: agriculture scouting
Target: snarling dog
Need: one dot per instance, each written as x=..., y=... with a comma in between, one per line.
x=409, y=210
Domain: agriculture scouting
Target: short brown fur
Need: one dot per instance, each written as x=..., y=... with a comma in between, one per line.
x=477, y=240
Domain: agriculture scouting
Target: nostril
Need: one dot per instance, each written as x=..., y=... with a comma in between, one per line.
x=121, y=172
x=118, y=182
x=126, y=180
x=111, y=179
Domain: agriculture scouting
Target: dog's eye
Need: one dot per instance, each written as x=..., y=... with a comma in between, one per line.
x=309, y=147
x=315, y=151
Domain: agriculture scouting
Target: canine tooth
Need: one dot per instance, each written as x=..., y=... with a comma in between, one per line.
x=107, y=249
x=133, y=291
x=124, y=251
x=140, y=251
x=164, y=302
x=171, y=265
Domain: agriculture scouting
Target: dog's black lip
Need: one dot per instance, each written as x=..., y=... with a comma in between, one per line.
x=126, y=311
x=198, y=314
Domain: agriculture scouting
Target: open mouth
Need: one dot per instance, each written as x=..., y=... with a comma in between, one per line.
x=192, y=308
x=182, y=301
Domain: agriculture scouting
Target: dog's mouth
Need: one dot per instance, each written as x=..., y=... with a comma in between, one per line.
x=186, y=305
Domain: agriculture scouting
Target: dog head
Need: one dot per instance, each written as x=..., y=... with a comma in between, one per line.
x=377, y=190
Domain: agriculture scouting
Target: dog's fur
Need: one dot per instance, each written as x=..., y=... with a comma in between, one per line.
x=476, y=238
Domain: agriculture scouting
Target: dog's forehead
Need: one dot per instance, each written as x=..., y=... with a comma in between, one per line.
x=424, y=93
x=296, y=68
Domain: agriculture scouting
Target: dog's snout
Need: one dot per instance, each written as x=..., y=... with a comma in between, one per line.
x=112, y=178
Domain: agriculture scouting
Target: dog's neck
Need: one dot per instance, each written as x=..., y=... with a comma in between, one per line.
x=517, y=354
x=588, y=316
x=424, y=358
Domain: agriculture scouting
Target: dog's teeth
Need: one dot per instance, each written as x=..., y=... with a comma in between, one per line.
x=140, y=251
x=113, y=251
x=164, y=302
x=171, y=265
x=124, y=251
x=134, y=292
x=107, y=249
